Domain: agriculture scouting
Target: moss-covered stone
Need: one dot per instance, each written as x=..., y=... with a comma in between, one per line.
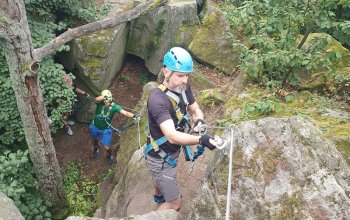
x=316, y=82
x=210, y=98
x=91, y=63
x=291, y=208
x=185, y=34
x=304, y=103
x=211, y=46
x=154, y=39
x=95, y=44
x=322, y=80
x=343, y=145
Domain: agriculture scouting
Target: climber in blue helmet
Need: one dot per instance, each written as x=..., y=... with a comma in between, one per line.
x=166, y=131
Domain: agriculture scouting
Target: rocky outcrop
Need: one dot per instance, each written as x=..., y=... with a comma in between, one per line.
x=159, y=215
x=152, y=34
x=282, y=168
x=320, y=79
x=133, y=182
x=8, y=209
x=96, y=58
x=211, y=45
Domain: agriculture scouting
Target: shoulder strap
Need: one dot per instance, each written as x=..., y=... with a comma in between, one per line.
x=172, y=96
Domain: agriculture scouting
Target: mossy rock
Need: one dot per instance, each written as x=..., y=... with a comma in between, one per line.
x=343, y=145
x=304, y=103
x=210, y=98
x=322, y=80
x=96, y=44
x=316, y=82
x=211, y=46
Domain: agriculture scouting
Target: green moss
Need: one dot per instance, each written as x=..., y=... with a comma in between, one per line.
x=200, y=81
x=200, y=43
x=92, y=63
x=185, y=34
x=210, y=98
x=154, y=40
x=271, y=159
x=97, y=43
x=290, y=207
x=343, y=145
x=156, y=4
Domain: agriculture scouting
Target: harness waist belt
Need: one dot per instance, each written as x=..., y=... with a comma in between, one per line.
x=167, y=158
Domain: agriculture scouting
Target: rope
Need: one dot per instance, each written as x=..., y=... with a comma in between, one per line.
x=228, y=196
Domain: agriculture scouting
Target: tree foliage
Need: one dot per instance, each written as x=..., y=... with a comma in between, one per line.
x=277, y=31
x=44, y=24
x=18, y=182
x=17, y=179
x=24, y=68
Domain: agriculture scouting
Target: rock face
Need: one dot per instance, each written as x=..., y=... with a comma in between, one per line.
x=159, y=215
x=99, y=56
x=211, y=45
x=8, y=209
x=132, y=193
x=282, y=168
x=320, y=79
x=152, y=34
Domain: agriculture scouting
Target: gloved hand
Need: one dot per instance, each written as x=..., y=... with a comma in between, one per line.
x=87, y=95
x=198, y=126
x=207, y=141
x=136, y=117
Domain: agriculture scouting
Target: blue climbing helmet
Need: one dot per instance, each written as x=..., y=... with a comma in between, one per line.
x=178, y=59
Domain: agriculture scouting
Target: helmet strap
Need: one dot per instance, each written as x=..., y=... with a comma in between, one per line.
x=168, y=78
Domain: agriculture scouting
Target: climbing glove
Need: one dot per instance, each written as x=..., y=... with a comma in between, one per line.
x=207, y=141
x=199, y=126
x=136, y=117
x=87, y=95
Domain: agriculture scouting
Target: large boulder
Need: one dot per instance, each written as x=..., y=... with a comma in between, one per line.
x=153, y=33
x=168, y=214
x=282, y=169
x=126, y=199
x=322, y=79
x=97, y=58
x=211, y=44
x=8, y=209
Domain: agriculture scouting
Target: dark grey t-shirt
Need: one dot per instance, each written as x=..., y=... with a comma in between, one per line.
x=161, y=109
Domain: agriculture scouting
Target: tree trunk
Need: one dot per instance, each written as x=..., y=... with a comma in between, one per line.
x=23, y=66
x=25, y=83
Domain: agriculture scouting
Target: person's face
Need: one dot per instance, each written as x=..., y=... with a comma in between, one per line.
x=177, y=81
x=106, y=102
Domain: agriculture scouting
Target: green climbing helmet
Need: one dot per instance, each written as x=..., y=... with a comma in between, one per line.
x=178, y=59
x=107, y=94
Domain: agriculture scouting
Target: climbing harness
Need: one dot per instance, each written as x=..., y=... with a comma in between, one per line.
x=118, y=130
x=182, y=125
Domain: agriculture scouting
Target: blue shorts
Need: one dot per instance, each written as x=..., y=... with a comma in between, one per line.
x=106, y=135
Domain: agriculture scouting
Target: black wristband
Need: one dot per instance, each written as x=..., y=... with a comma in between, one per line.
x=197, y=121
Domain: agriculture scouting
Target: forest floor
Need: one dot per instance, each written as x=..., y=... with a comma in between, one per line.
x=127, y=90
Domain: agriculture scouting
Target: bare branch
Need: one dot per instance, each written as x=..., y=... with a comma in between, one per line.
x=108, y=22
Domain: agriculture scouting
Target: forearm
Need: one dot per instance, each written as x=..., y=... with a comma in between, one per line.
x=181, y=138
x=127, y=114
x=79, y=91
x=177, y=137
x=99, y=99
x=195, y=112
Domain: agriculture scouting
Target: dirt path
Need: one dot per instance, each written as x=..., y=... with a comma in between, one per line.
x=127, y=90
